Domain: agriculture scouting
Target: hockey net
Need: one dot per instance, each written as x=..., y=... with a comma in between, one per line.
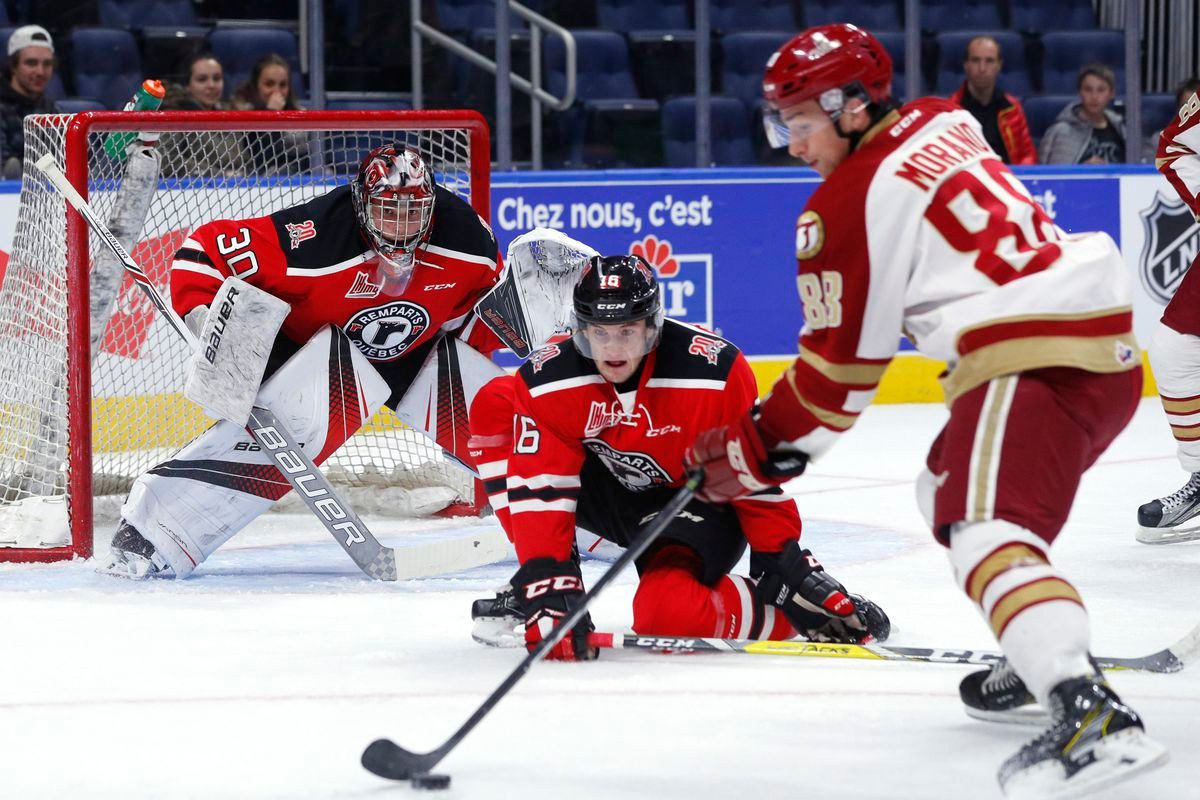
x=76, y=431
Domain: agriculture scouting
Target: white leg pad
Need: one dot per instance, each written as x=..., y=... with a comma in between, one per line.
x=193, y=503
x=1045, y=641
x=1175, y=361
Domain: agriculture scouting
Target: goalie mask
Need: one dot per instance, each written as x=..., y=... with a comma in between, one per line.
x=393, y=196
x=531, y=305
x=613, y=291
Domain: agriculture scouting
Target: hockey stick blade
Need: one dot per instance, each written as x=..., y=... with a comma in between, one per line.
x=1171, y=659
x=385, y=758
x=268, y=431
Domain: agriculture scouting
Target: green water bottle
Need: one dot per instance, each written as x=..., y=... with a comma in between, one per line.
x=148, y=97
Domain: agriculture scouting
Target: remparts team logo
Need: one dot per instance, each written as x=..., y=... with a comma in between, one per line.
x=686, y=279
x=1172, y=241
x=637, y=472
x=384, y=333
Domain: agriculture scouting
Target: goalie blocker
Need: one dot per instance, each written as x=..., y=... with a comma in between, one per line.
x=191, y=504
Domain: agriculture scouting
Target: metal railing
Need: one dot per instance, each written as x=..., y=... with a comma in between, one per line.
x=501, y=67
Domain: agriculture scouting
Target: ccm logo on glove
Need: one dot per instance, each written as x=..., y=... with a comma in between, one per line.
x=559, y=583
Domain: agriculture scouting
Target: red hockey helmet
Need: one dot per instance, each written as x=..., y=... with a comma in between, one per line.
x=393, y=196
x=828, y=63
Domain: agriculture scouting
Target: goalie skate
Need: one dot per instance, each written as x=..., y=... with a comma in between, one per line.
x=1174, y=518
x=131, y=556
x=1094, y=741
x=498, y=622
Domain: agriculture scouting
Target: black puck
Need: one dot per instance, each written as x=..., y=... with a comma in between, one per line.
x=426, y=780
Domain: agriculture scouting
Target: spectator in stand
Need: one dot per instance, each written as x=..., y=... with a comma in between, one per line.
x=219, y=153
x=1000, y=113
x=269, y=88
x=1088, y=132
x=1183, y=91
x=23, y=91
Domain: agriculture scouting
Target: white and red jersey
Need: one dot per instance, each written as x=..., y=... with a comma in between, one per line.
x=313, y=256
x=564, y=409
x=1178, y=155
x=924, y=231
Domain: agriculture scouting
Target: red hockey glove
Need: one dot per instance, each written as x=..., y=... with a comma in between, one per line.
x=547, y=592
x=736, y=463
x=818, y=606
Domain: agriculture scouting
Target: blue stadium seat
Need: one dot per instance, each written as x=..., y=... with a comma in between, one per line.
x=893, y=42
x=1014, y=76
x=75, y=105
x=1064, y=52
x=462, y=16
x=873, y=15
x=731, y=144
x=106, y=65
x=1037, y=16
x=4, y=18
x=1041, y=111
x=1157, y=111
x=238, y=48
x=138, y=14
x=753, y=15
x=960, y=15
x=664, y=62
x=382, y=101
x=605, y=93
x=744, y=60
x=630, y=15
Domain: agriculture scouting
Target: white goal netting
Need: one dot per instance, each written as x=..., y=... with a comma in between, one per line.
x=214, y=165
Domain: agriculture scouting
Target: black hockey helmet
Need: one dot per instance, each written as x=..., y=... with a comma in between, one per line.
x=614, y=290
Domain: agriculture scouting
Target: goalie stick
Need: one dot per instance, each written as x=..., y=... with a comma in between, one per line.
x=1171, y=659
x=387, y=759
x=268, y=430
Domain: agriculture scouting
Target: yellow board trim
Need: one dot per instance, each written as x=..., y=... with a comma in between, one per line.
x=908, y=378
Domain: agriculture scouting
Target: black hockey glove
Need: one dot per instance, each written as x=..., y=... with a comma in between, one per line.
x=818, y=606
x=547, y=592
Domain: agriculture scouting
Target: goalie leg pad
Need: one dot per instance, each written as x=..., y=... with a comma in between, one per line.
x=193, y=503
x=235, y=343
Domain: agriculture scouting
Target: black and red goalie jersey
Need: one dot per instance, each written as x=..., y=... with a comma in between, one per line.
x=314, y=256
x=564, y=410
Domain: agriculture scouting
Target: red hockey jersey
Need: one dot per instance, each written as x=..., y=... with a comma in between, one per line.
x=924, y=231
x=313, y=256
x=693, y=381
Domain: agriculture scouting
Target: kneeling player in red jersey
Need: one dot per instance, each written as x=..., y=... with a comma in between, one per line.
x=598, y=426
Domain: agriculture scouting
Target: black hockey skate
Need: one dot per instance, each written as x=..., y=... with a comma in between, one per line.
x=1094, y=740
x=134, y=557
x=999, y=695
x=1174, y=518
x=498, y=621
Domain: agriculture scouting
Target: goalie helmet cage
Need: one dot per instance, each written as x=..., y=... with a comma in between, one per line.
x=69, y=432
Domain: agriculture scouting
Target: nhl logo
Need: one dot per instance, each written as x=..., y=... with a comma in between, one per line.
x=1172, y=240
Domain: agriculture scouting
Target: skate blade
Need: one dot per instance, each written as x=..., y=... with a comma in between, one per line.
x=1167, y=535
x=1116, y=758
x=1031, y=714
x=132, y=568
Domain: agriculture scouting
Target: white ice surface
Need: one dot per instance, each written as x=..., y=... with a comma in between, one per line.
x=267, y=672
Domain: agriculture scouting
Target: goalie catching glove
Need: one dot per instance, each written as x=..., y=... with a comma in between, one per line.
x=818, y=606
x=547, y=591
x=736, y=462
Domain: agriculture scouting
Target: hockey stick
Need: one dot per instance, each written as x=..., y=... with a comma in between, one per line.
x=268, y=430
x=1171, y=659
x=387, y=759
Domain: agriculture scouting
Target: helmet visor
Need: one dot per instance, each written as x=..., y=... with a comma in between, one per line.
x=618, y=341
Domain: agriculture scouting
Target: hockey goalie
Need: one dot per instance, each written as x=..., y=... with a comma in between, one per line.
x=323, y=312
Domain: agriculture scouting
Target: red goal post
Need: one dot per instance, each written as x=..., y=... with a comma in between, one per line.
x=79, y=422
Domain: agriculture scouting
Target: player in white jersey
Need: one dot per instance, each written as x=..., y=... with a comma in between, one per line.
x=920, y=229
x=1175, y=348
